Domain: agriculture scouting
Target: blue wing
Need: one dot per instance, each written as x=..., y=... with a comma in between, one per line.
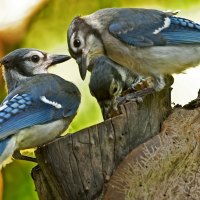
x=21, y=111
x=24, y=107
x=182, y=31
x=137, y=28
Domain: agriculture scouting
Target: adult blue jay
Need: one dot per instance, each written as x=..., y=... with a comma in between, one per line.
x=107, y=82
x=39, y=107
x=23, y=63
x=146, y=41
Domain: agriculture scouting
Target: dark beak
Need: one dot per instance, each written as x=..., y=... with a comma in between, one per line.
x=59, y=59
x=105, y=108
x=81, y=61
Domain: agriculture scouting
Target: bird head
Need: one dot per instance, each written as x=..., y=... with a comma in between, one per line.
x=29, y=62
x=105, y=84
x=25, y=62
x=84, y=43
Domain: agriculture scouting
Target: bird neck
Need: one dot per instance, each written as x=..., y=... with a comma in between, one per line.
x=13, y=79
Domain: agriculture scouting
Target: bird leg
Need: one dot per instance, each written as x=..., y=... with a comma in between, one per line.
x=17, y=155
x=136, y=85
x=140, y=84
x=156, y=81
x=135, y=96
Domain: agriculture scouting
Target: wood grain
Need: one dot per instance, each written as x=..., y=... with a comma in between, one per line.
x=80, y=165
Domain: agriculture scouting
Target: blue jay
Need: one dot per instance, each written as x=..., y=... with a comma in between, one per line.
x=107, y=82
x=146, y=41
x=23, y=63
x=39, y=107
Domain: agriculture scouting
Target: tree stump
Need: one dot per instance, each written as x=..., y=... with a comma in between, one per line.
x=79, y=166
x=166, y=167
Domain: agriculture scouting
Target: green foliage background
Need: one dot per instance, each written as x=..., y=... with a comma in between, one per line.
x=48, y=31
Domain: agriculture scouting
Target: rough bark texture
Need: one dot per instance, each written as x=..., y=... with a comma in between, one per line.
x=79, y=166
x=167, y=167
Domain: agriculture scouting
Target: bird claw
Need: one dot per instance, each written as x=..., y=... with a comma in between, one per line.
x=133, y=97
x=136, y=96
x=142, y=83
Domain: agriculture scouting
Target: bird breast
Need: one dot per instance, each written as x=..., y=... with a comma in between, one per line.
x=152, y=60
x=40, y=134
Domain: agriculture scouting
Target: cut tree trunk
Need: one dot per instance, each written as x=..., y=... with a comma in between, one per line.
x=79, y=166
x=166, y=167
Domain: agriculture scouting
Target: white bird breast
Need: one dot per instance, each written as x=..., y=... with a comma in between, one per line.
x=40, y=134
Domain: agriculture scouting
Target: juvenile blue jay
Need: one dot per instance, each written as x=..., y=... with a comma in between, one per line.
x=39, y=107
x=146, y=41
x=107, y=81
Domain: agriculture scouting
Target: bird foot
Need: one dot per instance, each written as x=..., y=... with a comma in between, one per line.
x=159, y=83
x=18, y=156
x=136, y=96
x=140, y=88
x=133, y=97
x=143, y=83
x=140, y=84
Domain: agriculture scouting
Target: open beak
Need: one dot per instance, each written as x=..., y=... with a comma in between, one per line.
x=81, y=61
x=55, y=59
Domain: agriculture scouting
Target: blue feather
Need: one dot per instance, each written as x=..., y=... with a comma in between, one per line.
x=182, y=31
x=138, y=30
x=24, y=108
x=33, y=117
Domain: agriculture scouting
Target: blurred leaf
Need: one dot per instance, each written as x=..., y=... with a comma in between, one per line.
x=18, y=184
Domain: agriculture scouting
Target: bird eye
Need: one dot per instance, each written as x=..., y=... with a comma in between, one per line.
x=114, y=90
x=35, y=58
x=77, y=43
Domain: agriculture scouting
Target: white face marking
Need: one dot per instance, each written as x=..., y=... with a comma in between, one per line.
x=79, y=36
x=33, y=52
x=167, y=23
x=29, y=55
x=39, y=64
x=53, y=103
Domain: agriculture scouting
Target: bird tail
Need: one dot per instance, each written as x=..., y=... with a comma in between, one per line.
x=7, y=148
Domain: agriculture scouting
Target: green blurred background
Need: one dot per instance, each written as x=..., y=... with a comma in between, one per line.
x=46, y=29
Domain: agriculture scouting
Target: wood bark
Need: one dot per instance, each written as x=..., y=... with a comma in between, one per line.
x=166, y=167
x=79, y=166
